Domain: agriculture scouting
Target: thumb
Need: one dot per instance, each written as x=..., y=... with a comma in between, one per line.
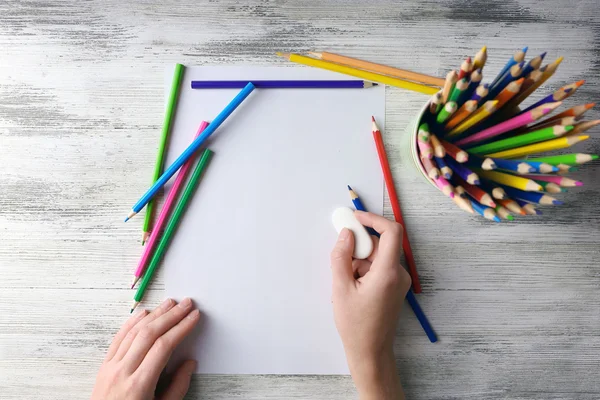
x=341, y=259
x=180, y=382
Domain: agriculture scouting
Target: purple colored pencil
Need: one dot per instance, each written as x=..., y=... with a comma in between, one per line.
x=462, y=171
x=320, y=84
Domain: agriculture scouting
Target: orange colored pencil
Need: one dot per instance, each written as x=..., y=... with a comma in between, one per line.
x=463, y=112
x=389, y=183
x=509, y=92
x=379, y=68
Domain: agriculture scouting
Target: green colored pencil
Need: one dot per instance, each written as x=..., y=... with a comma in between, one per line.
x=552, y=132
x=166, y=129
x=458, y=90
x=567, y=159
x=171, y=226
x=446, y=112
x=550, y=187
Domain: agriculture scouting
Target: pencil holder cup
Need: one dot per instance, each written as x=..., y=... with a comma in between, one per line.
x=411, y=146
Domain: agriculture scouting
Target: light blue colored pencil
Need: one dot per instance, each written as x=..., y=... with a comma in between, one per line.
x=192, y=148
x=515, y=59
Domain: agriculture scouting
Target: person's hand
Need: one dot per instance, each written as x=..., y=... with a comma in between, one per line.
x=367, y=298
x=140, y=351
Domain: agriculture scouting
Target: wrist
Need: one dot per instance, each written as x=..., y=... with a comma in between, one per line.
x=376, y=377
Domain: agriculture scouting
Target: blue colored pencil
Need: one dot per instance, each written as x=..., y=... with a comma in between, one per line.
x=484, y=211
x=410, y=296
x=520, y=167
x=512, y=74
x=360, y=207
x=533, y=64
x=541, y=167
x=462, y=171
x=515, y=59
x=192, y=148
x=480, y=92
x=444, y=168
x=345, y=84
x=551, y=98
x=531, y=197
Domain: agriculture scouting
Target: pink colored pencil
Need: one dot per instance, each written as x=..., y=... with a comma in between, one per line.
x=164, y=213
x=445, y=186
x=559, y=180
x=509, y=125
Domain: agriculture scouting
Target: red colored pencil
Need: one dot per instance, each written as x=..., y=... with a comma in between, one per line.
x=389, y=183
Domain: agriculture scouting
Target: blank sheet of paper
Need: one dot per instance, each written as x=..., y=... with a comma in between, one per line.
x=253, y=247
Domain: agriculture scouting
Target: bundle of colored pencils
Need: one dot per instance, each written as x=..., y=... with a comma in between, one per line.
x=481, y=147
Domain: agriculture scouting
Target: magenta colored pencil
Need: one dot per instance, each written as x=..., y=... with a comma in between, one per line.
x=559, y=180
x=508, y=125
x=164, y=213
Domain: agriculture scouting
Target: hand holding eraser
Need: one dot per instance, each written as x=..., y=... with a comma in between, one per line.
x=343, y=217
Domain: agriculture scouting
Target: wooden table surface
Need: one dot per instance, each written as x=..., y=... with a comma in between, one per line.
x=516, y=305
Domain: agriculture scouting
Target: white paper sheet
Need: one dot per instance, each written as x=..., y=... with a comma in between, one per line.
x=252, y=249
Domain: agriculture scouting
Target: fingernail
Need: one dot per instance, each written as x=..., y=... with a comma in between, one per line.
x=194, y=315
x=166, y=304
x=192, y=366
x=344, y=234
x=185, y=303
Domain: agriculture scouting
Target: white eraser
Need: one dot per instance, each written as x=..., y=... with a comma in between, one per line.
x=343, y=217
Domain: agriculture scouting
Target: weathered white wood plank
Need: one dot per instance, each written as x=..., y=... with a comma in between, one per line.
x=516, y=305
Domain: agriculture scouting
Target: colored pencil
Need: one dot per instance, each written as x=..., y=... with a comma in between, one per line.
x=533, y=64
x=446, y=112
x=479, y=162
x=438, y=149
x=565, y=169
x=541, y=167
x=512, y=74
x=164, y=213
x=550, y=187
x=412, y=301
x=461, y=86
x=463, y=112
x=576, y=112
x=532, y=197
x=465, y=69
x=568, y=159
x=162, y=144
x=548, y=72
x=530, y=80
x=432, y=171
x=435, y=103
x=449, y=82
x=462, y=171
x=424, y=141
x=480, y=58
x=546, y=123
x=482, y=113
x=445, y=170
x=510, y=124
x=445, y=186
x=528, y=207
x=462, y=201
x=395, y=202
x=172, y=225
x=492, y=187
x=481, y=92
x=456, y=153
x=559, y=180
x=379, y=68
x=549, y=145
x=540, y=135
x=509, y=92
x=512, y=206
x=191, y=149
x=485, y=211
x=514, y=181
x=476, y=77
x=558, y=95
x=518, y=57
x=475, y=192
x=358, y=204
x=503, y=213
x=583, y=126
x=318, y=84
x=369, y=76
x=520, y=167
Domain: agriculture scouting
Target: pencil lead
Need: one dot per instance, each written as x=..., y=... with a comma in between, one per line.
x=557, y=202
x=375, y=84
x=543, y=55
x=510, y=218
x=525, y=49
x=349, y=188
x=497, y=219
x=131, y=311
x=126, y=219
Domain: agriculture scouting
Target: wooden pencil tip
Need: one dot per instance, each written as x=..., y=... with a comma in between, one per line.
x=349, y=188
x=559, y=60
x=579, y=83
x=315, y=54
x=589, y=105
x=484, y=49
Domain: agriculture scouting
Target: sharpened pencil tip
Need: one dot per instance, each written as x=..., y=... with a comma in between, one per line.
x=349, y=188
x=497, y=219
x=372, y=118
x=578, y=183
x=131, y=311
x=543, y=55
x=126, y=219
x=538, y=212
x=525, y=49
x=557, y=202
x=510, y=218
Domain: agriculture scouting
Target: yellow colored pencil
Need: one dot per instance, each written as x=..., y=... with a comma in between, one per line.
x=549, y=145
x=379, y=68
x=370, y=76
x=517, y=182
x=480, y=58
x=482, y=113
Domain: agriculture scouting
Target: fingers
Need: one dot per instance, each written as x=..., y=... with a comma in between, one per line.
x=127, y=326
x=131, y=335
x=180, y=383
x=360, y=267
x=150, y=333
x=341, y=259
x=161, y=350
x=390, y=243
